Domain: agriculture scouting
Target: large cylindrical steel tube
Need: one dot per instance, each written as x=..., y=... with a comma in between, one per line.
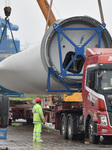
x=50, y=49
x=24, y=72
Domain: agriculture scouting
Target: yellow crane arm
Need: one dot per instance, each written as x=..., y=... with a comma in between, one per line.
x=44, y=6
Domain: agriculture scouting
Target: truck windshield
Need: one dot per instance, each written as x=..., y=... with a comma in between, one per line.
x=106, y=79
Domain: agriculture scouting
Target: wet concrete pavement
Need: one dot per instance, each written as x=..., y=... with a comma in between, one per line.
x=19, y=137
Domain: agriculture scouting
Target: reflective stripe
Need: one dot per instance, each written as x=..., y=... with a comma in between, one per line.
x=36, y=121
x=36, y=132
x=39, y=113
x=42, y=116
x=36, y=136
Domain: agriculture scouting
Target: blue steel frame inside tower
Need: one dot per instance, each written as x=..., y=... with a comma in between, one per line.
x=79, y=50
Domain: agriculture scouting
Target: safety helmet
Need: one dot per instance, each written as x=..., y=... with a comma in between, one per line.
x=45, y=103
x=38, y=99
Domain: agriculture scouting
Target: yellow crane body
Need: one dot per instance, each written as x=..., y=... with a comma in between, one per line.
x=44, y=6
x=75, y=97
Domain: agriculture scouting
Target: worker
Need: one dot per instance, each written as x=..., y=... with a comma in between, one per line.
x=46, y=105
x=38, y=118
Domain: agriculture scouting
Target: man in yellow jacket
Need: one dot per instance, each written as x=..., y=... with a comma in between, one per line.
x=38, y=118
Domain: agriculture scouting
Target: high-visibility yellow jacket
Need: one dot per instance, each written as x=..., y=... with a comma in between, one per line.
x=38, y=115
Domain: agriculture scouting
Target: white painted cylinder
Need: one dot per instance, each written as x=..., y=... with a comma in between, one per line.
x=24, y=72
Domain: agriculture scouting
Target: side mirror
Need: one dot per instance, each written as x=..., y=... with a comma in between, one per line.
x=92, y=80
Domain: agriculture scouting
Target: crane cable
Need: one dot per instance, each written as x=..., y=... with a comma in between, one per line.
x=101, y=11
x=7, y=11
x=48, y=15
x=7, y=2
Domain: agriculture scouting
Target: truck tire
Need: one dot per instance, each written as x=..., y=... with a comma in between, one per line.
x=10, y=121
x=94, y=139
x=71, y=134
x=64, y=127
x=4, y=111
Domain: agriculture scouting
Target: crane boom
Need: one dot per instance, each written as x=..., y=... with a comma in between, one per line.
x=44, y=6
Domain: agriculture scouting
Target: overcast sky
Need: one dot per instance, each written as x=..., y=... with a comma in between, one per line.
x=28, y=16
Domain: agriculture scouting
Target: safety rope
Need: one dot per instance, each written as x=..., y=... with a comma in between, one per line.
x=12, y=37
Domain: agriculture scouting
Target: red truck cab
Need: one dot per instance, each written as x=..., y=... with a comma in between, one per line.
x=97, y=93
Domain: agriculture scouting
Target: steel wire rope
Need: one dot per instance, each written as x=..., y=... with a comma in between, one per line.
x=48, y=15
x=12, y=36
x=7, y=2
x=57, y=11
x=3, y=32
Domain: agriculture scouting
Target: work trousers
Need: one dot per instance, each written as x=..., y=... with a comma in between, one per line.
x=37, y=131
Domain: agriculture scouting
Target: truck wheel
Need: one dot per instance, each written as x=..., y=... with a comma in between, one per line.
x=70, y=128
x=10, y=121
x=64, y=127
x=92, y=138
x=4, y=111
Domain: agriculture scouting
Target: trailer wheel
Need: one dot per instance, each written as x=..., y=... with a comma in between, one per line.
x=63, y=127
x=71, y=135
x=4, y=111
x=94, y=139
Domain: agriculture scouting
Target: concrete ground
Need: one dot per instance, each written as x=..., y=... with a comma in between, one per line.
x=19, y=137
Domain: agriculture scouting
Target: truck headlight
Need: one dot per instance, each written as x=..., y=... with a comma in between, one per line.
x=103, y=119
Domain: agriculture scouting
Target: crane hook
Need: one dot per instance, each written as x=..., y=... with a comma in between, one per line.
x=7, y=11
